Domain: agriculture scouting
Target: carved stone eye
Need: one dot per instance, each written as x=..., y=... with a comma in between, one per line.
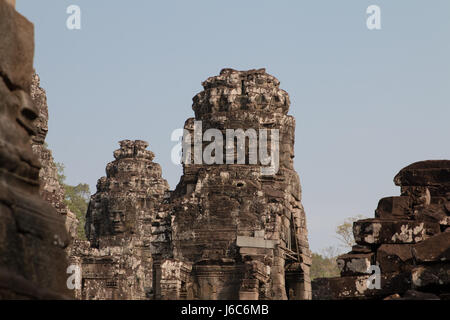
x=27, y=112
x=27, y=108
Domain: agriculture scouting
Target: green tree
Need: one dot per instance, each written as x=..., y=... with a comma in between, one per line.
x=76, y=199
x=61, y=176
x=324, y=264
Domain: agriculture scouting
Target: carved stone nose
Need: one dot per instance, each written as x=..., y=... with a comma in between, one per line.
x=28, y=110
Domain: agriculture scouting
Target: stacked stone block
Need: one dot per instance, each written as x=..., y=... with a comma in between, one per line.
x=409, y=240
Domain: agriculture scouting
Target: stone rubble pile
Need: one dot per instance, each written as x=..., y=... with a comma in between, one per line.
x=409, y=240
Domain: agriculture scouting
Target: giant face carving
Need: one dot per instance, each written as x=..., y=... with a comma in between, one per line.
x=33, y=236
x=118, y=215
x=17, y=113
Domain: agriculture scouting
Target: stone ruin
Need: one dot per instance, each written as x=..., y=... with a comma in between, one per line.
x=228, y=231
x=32, y=235
x=116, y=263
x=236, y=233
x=409, y=240
x=50, y=188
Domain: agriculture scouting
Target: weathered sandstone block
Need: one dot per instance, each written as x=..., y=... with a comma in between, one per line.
x=355, y=263
x=431, y=277
x=377, y=231
x=356, y=287
x=394, y=207
x=394, y=257
x=434, y=249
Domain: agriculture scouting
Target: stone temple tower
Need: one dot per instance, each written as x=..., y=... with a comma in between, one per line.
x=237, y=228
x=116, y=263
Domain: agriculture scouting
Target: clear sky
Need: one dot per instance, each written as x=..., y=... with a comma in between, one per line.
x=367, y=103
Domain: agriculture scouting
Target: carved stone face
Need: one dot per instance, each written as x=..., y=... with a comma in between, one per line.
x=117, y=215
x=117, y=221
x=17, y=113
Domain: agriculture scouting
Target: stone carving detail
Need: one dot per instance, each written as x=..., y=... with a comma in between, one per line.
x=32, y=235
x=226, y=232
x=230, y=231
x=409, y=239
x=116, y=263
x=50, y=188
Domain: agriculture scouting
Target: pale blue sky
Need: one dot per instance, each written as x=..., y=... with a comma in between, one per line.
x=367, y=103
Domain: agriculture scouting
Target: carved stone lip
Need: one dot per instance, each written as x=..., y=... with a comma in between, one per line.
x=117, y=227
x=31, y=165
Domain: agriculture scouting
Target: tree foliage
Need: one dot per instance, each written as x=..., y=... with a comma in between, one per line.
x=324, y=264
x=76, y=199
x=344, y=232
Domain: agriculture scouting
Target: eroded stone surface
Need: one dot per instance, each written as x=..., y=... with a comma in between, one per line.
x=32, y=235
x=434, y=249
x=394, y=257
x=357, y=287
x=355, y=263
x=377, y=231
x=394, y=207
x=431, y=173
x=431, y=277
